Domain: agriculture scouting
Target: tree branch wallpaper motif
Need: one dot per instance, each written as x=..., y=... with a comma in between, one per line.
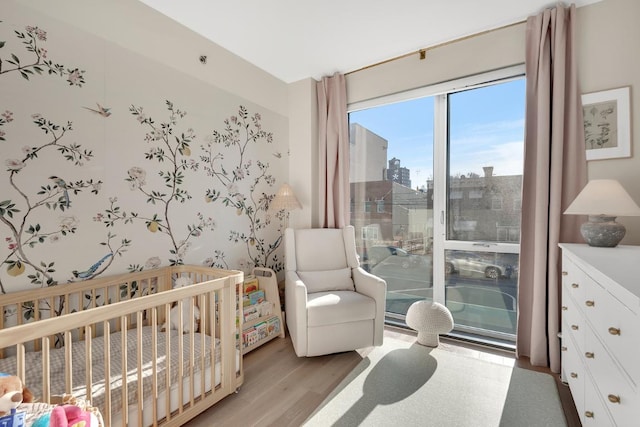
x=239, y=133
x=105, y=172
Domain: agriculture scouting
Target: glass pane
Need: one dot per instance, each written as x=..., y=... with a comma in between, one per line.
x=482, y=290
x=486, y=129
x=391, y=151
x=485, y=153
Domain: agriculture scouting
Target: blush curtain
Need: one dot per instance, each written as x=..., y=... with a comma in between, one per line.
x=554, y=173
x=333, y=146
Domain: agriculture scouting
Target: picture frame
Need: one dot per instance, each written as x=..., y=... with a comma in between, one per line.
x=607, y=124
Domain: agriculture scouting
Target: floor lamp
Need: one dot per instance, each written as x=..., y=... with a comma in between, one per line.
x=286, y=201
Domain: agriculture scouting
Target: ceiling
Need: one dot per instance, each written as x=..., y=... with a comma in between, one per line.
x=296, y=39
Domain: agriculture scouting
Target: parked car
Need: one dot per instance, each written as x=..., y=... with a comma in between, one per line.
x=390, y=254
x=457, y=261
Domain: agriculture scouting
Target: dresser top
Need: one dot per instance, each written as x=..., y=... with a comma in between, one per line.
x=620, y=264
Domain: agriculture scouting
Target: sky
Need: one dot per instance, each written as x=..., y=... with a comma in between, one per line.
x=486, y=126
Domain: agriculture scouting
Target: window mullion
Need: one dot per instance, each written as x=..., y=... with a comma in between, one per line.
x=440, y=130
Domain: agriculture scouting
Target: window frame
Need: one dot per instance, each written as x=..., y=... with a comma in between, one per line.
x=441, y=244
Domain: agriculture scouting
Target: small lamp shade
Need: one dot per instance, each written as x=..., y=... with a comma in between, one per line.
x=285, y=200
x=603, y=200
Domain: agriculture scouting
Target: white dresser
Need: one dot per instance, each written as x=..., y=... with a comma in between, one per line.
x=601, y=332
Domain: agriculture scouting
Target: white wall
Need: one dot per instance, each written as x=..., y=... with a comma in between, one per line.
x=608, y=36
x=609, y=58
x=141, y=29
x=303, y=167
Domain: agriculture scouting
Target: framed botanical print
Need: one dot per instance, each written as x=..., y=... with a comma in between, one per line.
x=607, y=128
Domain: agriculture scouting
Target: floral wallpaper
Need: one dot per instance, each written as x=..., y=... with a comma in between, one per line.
x=114, y=163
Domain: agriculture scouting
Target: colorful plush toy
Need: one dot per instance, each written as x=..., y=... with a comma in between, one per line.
x=71, y=416
x=12, y=393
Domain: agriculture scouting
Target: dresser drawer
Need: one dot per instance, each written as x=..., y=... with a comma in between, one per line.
x=611, y=385
x=572, y=277
x=574, y=371
x=594, y=413
x=573, y=322
x=615, y=325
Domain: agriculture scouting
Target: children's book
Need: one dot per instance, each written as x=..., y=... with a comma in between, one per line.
x=250, y=284
x=256, y=297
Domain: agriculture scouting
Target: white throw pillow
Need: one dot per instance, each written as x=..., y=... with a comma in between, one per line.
x=327, y=280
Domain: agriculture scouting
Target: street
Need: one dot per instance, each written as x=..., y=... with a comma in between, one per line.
x=473, y=299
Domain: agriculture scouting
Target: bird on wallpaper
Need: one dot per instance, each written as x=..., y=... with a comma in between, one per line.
x=104, y=112
x=63, y=186
x=87, y=273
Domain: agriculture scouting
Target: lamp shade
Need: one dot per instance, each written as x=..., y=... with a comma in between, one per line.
x=285, y=200
x=605, y=197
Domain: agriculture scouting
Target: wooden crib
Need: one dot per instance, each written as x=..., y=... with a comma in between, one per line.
x=104, y=340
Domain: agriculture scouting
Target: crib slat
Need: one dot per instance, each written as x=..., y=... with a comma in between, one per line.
x=203, y=346
x=212, y=329
x=192, y=348
x=46, y=386
x=180, y=354
x=167, y=352
x=107, y=372
x=229, y=335
x=88, y=360
x=20, y=359
x=140, y=376
x=36, y=317
x=154, y=364
x=68, y=362
x=123, y=372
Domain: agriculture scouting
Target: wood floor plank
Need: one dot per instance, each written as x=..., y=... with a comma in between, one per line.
x=281, y=389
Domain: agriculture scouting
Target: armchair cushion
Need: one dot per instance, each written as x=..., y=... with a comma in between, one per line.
x=339, y=307
x=327, y=280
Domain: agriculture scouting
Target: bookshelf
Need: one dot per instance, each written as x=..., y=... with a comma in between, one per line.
x=263, y=328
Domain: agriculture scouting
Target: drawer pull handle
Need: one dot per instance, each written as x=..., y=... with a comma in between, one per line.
x=589, y=355
x=614, y=331
x=613, y=398
x=589, y=303
x=574, y=327
x=575, y=285
x=565, y=308
x=563, y=348
x=574, y=375
x=588, y=414
x=564, y=273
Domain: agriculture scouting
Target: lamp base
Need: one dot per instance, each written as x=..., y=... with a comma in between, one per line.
x=602, y=231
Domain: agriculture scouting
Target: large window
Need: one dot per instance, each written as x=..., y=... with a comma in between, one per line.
x=448, y=165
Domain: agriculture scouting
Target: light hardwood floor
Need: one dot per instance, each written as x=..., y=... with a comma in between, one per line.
x=281, y=389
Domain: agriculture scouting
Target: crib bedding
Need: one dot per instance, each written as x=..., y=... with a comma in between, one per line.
x=98, y=386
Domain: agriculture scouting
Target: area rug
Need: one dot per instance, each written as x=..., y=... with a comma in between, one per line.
x=406, y=384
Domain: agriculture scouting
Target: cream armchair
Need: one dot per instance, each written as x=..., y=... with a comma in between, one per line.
x=331, y=304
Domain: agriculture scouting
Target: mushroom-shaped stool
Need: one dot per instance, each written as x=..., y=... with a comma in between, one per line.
x=430, y=319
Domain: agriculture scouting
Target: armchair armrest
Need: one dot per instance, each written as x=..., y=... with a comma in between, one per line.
x=369, y=285
x=376, y=288
x=295, y=305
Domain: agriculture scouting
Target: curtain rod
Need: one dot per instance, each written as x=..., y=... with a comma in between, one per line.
x=423, y=52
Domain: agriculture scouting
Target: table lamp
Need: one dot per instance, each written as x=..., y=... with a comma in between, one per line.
x=603, y=200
